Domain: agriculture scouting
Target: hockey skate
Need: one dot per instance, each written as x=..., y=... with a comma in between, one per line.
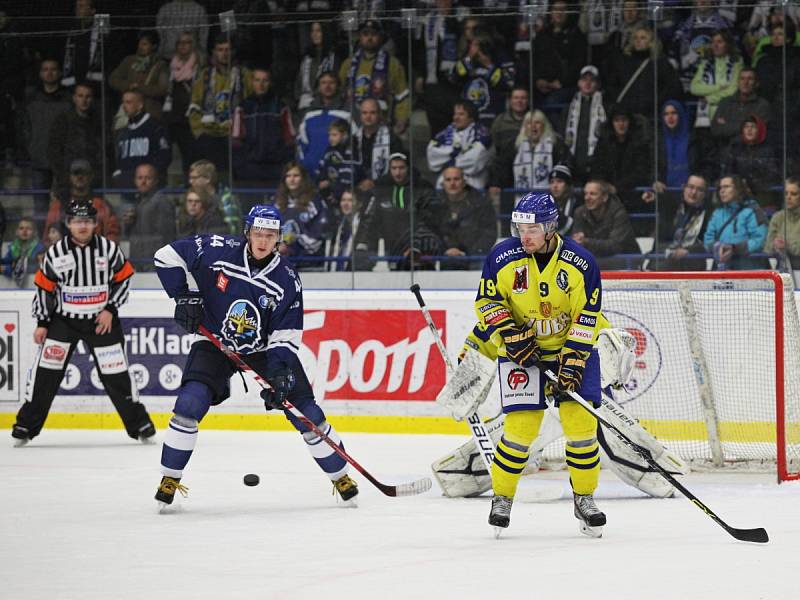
x=166, y=491
x=347, y=489
x=20, y=435
x=500, y=514
x=590, y=517
x=147, y=433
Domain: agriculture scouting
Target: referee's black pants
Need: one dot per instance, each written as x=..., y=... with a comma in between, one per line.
x=50, y=365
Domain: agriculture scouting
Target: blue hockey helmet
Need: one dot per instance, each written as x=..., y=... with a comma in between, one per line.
x=263, y=216
x=535, y=208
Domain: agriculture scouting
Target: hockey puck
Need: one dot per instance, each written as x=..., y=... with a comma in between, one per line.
x=251, y=479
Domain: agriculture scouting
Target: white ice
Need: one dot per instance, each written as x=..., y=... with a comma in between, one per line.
x=78, y=521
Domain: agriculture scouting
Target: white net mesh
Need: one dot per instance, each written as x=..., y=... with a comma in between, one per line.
x=705, y=375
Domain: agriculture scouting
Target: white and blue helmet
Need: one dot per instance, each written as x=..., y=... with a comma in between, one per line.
x=263, y=216
x=535, y=208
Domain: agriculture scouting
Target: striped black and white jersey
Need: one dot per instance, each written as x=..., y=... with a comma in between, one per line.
x=80, y=281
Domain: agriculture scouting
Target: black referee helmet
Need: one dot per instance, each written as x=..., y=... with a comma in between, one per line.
x=81, y=209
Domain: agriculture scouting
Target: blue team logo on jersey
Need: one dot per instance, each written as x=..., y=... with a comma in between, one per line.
x=562, y=280
x=478, y=93
x=242, y=326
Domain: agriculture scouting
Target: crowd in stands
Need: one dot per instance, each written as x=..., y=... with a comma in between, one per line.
x=679, y=127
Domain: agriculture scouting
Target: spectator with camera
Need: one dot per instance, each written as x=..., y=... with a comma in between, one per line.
x=485, y=77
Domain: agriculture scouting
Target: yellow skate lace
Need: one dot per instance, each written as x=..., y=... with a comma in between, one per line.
x=343, y=484
x=170, y=486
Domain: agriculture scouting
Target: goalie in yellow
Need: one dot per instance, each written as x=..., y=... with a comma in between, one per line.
x=539, y=301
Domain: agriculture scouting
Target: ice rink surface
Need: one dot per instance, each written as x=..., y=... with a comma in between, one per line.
x=78, y=521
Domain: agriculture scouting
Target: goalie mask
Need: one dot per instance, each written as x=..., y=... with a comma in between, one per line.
x=535, y=208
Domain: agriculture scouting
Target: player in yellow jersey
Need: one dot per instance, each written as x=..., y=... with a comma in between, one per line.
x=539, y=301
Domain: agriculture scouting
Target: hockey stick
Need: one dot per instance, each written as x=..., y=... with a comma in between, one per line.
x=758, y=534
x=476, y=427
x=404, y=489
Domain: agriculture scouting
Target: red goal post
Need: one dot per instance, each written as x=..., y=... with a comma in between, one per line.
x=717, y=374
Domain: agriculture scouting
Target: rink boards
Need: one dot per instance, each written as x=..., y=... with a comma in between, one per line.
x=369, y=354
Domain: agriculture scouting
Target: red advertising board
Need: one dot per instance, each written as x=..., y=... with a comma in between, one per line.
x=375, y=354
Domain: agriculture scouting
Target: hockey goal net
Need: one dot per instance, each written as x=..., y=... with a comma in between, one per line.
x=717, y=375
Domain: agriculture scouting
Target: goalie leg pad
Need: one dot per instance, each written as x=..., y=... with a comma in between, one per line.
x=468, y=386
x=461, y=473
x=626, y=462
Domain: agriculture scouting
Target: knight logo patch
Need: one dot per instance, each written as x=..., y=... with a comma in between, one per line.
x=562, y=280
x=546, y=309
x=520, y=280
x=242, y=326
x=222, y=282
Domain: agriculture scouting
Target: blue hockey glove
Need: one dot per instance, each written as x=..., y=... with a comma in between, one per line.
x=521, y=346
x=189, y=311
x=282, y=383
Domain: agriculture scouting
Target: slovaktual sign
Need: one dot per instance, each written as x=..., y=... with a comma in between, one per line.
x=348, y=355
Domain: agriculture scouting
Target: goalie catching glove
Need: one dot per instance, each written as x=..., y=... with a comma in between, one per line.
x=571, y=364
x=521, y=346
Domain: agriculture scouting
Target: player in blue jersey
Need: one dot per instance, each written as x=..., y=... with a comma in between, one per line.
x=252, y=300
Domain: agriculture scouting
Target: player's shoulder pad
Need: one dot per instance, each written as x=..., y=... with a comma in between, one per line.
x=505, y=252
x=573, y=253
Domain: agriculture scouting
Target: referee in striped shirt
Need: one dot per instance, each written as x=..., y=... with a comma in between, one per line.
x=82, y=282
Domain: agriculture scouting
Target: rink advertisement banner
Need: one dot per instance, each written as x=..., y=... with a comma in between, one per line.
x=348, y=355
x=9, y=356
x=352, y=351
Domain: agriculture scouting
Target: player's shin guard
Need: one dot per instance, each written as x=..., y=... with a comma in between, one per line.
x=582, y=449
x=331, y=463
x=511, y=453
x=179, y=442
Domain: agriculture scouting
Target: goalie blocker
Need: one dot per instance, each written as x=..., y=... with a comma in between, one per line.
x=462, y=473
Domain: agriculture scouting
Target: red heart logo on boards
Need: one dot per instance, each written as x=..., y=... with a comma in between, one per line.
x=9, y=327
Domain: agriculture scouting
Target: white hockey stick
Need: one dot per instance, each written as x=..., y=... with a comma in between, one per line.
x=476, y=427
x=758, y=534
x=411, y=488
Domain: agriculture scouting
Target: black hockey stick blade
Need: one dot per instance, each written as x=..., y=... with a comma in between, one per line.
x=420, y=486
x=758, y=535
